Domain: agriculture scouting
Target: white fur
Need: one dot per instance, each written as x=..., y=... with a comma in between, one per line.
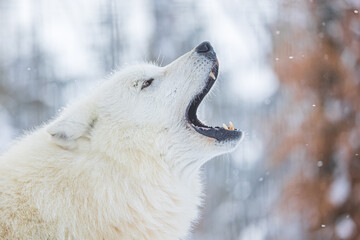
x=121, y=163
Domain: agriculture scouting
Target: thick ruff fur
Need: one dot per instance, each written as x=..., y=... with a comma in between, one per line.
x=121, y=163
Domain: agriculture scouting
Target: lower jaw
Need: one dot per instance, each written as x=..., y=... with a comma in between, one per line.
x=219, y=134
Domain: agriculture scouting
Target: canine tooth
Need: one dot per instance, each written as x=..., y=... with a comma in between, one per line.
x=225, y=127
x=231, y=126
x=212, y=75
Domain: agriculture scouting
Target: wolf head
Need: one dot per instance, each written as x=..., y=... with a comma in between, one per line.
x=151, y=107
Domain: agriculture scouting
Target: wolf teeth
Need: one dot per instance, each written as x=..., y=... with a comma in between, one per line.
x=212, y=75
x=231, y=126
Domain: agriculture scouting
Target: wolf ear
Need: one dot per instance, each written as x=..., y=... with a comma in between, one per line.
x=75, y=122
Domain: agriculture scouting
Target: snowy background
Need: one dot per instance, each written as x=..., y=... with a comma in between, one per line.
x=289, y=77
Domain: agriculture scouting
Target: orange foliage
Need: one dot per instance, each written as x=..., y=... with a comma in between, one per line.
x=321, y=77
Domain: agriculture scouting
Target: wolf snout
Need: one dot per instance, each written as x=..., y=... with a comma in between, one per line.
x=206, y=49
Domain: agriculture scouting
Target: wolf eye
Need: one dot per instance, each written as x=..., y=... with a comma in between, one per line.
x=147, y=83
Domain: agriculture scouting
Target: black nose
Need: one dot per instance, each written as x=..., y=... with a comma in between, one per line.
x=204, y=47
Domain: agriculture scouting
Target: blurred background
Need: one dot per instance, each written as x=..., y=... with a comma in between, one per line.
x=289, y=77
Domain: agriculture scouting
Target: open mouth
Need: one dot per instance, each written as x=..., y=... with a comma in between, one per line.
x=224, y=133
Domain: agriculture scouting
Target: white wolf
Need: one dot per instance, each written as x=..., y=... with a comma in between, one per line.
x=122, y=163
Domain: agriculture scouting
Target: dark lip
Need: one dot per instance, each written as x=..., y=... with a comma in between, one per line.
x=218, y=133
